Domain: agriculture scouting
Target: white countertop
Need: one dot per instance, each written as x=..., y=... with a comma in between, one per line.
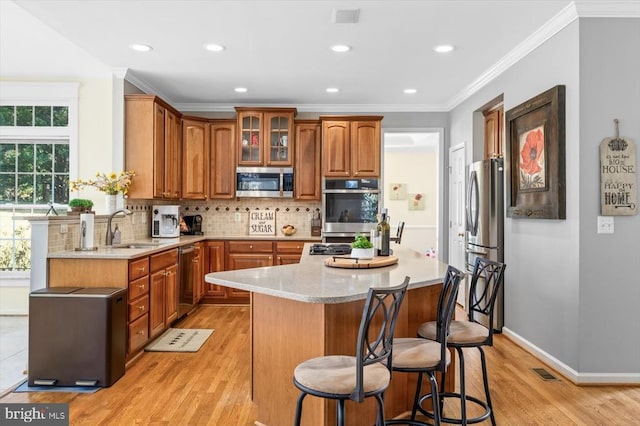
x=114, y=252
x=313, y=282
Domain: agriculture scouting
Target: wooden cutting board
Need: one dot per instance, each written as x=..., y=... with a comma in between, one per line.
x=351, y=263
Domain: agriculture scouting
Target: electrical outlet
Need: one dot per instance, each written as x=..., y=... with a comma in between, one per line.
x=238, y=217
x=605, y=224
x=64, y=228
x=133, y=218
x=144, y=218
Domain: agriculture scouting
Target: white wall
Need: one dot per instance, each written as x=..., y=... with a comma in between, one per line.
x=418, y=170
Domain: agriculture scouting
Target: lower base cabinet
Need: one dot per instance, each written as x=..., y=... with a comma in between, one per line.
x=163, y=292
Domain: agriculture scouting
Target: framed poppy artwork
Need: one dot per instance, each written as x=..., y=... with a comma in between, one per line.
x=535, y=151
x=415, y=202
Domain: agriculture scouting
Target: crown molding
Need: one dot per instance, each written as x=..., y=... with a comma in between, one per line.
x=328, y=108
x=544, y=33
x=608, y=9
x=146, y=87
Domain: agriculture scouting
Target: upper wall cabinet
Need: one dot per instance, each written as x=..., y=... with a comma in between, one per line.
x=351, y=146
x=307, y=160
x=265, y=136
x=195, y=158
x=493, y=133
x=222, y=162
x=153, y=147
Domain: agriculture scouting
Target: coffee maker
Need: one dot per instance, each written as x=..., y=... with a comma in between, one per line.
x=194, y=225
x=165, y=222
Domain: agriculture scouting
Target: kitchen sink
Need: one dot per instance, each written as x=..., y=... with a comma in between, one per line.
x=135, y=245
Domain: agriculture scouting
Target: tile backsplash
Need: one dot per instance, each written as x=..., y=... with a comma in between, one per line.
x=218, y=220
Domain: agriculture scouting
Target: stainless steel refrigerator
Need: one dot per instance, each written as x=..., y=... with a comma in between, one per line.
x=485, y=223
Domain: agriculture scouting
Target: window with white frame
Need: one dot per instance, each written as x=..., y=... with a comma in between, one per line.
x=38, y=137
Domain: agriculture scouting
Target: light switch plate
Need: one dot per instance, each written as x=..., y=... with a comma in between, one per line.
x=238, y=217
x=605, y=224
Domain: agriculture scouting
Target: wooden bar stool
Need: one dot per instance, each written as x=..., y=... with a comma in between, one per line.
x=367, y=374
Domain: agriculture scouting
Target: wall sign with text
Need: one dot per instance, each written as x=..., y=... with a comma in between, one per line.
x=262, y=222
x=618, y=177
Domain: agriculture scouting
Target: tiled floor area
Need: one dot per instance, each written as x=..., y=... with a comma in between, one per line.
x=14, y=343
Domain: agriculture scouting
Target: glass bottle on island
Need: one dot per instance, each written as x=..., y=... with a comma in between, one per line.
x=384, y=233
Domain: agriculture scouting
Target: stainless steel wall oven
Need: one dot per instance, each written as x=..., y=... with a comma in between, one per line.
x=350, y=206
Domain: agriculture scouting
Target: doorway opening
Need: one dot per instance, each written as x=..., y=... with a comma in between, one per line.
x=413, y=190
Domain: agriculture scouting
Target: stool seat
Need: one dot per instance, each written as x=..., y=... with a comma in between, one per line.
x=462, y=332
x=414, y=352
x=336, y=374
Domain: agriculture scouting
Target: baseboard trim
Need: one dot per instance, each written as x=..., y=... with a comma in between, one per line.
x=569, y=373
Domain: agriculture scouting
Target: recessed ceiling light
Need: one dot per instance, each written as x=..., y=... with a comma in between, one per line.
x=341, y=48
x=444, y=48
x=240, y=89
x=141, y=47
x=410, y=91
x=333, y=90
x=214, y=47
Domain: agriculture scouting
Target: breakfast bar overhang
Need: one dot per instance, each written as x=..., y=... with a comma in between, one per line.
x=307, y=310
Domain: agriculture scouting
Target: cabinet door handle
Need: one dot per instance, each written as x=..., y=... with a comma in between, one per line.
x=141, y=333
x=141, y=286
x=250, y=246
x=141, y=307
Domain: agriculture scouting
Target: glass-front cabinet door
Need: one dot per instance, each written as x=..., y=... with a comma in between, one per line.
x=250, y=138
x=266, y=136
x=280, y=128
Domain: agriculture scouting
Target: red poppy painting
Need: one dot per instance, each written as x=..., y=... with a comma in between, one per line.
x=532, y=159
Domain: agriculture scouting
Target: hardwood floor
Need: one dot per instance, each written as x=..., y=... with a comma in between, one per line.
x=212, y=386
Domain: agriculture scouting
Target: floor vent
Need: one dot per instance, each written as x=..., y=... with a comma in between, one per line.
x=544, y=374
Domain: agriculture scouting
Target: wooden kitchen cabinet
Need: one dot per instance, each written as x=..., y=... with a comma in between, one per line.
x=493, y=133
x=138, y=305
x=288, y=252
x=163, y=297
x=214, y=263
x=222, y=164
x=265, y=137
x=307, y=160
x=153, y=147
x=195, y=158
x=247, y=254
x=351, y=146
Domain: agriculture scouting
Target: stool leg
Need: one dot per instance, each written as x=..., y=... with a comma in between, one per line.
x=437, y=415
x=299, y=408
x=340, y=412
x=380, y=418
x=485, y=379
x=463, y=397
x=414, y=410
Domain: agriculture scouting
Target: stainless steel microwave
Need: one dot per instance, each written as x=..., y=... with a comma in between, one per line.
x=269, y=182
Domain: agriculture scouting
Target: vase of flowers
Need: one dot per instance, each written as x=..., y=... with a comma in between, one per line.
x=111, y=184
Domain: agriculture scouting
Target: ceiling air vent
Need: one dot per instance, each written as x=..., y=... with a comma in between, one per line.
x=345, y=16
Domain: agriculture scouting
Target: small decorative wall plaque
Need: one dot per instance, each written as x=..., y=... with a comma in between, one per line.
x=618, y=176
x=262, y=222
x=398, y=191
x=416, y=202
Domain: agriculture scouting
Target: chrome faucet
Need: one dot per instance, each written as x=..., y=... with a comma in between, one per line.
x=109, y=239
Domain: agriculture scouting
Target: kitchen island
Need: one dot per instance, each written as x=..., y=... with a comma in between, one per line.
x=306, y=310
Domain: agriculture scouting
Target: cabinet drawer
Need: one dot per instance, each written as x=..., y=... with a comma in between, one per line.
x=289, y=246
x=250, y=246
x=138, y=287
x=164, y=259
x=138, y=333
x=138, y=268
x=138, y=307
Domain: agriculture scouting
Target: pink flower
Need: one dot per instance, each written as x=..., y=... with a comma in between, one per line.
x=531, y=152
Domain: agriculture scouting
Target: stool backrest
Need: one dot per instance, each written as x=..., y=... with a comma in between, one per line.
x=399, y=231
x=486, y=281
x=375, y=335
x=446, y=310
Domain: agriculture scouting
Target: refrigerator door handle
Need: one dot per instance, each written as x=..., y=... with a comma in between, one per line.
x=473, y=208
x=483, y=252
